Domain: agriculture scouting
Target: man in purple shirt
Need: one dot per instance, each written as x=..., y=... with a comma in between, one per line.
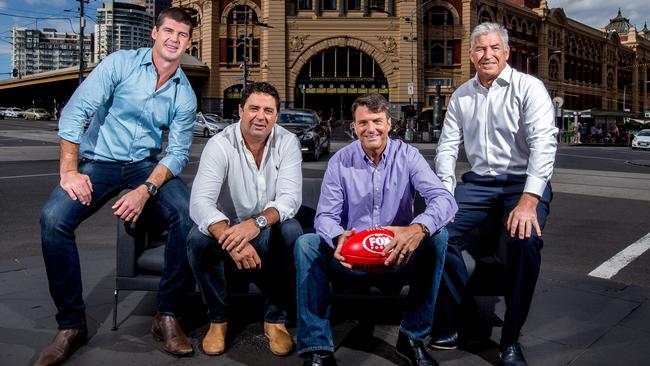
x=372, y=183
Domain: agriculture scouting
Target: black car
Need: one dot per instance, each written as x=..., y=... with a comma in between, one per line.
x=314, y=135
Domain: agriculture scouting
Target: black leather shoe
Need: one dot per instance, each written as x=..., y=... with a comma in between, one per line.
x=511, y=355
x=413, y=351
x=444, y=340
x=314, y=359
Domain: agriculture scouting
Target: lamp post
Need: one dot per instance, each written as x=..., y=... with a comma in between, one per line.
x=529, y=59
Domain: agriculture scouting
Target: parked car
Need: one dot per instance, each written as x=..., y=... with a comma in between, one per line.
x=13, y=112
x=207, y=126
x=313, y=134
x=2, y=112
x=641, y=140
x=36, y=113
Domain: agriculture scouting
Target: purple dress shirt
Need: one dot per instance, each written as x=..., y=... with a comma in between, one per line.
x=356, y=193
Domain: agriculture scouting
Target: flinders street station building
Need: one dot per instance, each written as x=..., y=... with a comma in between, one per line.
x=321, y=54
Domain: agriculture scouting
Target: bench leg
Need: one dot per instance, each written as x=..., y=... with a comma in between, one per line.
x=115, y=293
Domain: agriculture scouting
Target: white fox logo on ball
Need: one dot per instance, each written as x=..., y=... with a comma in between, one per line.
x=375, y=243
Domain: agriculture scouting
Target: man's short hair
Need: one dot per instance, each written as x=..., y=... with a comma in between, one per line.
x=487, y=27
x=376, y=103
x=260, y=87
x=177, y=14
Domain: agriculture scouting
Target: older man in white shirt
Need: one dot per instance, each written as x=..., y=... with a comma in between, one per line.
x=505, y=120
x=245, y=194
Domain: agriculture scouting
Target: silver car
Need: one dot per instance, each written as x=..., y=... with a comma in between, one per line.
x=208, y=125
x=36, y=113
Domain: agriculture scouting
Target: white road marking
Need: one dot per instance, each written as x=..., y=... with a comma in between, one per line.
x=613, y=265
x=28, y=176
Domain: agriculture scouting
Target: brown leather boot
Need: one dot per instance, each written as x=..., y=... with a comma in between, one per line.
x=280, y=342
x=65, y=342
x=214, y=342
x=165, y=328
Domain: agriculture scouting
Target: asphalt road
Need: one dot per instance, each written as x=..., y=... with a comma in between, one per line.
x=591, y=219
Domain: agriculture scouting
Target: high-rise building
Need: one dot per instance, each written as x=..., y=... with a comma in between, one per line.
x=36, y=51
x=154, y=7
x=121, y=26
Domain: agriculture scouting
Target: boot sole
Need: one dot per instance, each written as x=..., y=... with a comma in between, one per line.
x=445, y=348
x=160, y=338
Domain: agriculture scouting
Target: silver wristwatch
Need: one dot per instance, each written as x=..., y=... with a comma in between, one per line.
x=261, y=222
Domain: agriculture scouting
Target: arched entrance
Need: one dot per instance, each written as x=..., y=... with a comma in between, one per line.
x=330, y=81
x=231, y=97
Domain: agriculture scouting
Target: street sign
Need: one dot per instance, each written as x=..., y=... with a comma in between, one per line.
x=410, y=88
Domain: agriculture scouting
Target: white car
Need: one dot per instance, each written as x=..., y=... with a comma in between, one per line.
x=641, y=140
x=207, y=126
x=13, y=112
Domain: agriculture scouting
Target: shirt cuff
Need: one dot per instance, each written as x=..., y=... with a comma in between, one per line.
x=72, y=136
x=335, y=232
x=205, y=224
x=285, y=213
x=174, y=166
x=426, y=221
x=535, y=185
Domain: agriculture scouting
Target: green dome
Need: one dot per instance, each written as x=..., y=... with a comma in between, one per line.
x=620, y=24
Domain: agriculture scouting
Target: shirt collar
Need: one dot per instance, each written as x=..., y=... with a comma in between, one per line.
x=502, y=80
x=383, y=155
x=270, y=141
x=147, y=59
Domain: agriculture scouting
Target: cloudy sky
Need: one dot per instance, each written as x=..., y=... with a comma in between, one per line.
x=595, y=13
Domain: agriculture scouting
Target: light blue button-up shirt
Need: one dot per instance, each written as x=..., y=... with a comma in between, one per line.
x=129, y=115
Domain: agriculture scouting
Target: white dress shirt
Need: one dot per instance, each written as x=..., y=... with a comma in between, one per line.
x=229, y=185
x=506, y=129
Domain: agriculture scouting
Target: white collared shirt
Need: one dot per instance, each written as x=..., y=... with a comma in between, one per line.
x=506, y=129
x=229, y=185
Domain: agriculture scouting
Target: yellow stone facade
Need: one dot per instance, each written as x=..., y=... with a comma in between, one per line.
x=422, y=43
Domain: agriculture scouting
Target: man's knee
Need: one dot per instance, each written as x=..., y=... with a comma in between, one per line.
x=290, y=230
x=56, y=213
x=527, y=245
x=198, y=243
x=307, y=247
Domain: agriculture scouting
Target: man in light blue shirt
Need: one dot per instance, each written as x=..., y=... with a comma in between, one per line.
x=132, y=98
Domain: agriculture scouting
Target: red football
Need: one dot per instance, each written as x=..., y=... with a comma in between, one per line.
x=363, y=249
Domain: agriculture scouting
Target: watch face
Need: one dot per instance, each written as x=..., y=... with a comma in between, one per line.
x=151, y=188
x=261, y=222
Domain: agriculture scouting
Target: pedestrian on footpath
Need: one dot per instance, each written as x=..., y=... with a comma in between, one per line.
x=133, y=97
x=505, y=119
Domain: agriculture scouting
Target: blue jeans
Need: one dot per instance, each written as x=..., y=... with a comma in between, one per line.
x=478, y=198
x=316, y=266
x=274, y=246
x=61, y=216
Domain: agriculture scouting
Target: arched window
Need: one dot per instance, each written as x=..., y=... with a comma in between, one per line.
x=438, y=15
x=241, y=38
x=485, y=16
x=553, y=69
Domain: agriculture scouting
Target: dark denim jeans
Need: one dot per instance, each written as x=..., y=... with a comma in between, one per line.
x=274, y=246
x=316, y=266
x=61, y=216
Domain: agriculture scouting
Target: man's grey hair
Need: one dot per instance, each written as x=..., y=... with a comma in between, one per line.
x=487, y=27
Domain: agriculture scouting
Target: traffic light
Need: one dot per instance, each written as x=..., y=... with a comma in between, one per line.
x=14, y=73
x=410, y=110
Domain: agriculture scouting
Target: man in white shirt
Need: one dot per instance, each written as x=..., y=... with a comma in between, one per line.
x=245, y=194
x=505, y=120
